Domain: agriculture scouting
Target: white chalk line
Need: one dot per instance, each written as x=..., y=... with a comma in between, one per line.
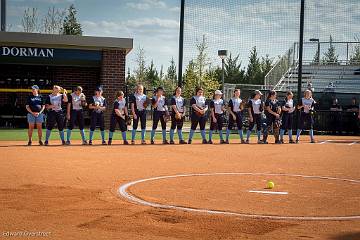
x=339, y=142
x=268, y=192
x=122, y=191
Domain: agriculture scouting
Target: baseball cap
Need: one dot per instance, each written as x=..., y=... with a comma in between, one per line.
x=218, y=92
x=35, y=87
x=258, y=92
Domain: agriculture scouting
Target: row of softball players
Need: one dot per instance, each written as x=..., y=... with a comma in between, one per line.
x=76, y=102
x=279, y=116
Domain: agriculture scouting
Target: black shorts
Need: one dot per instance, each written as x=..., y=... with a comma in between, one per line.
x=219, y=122
x=176, y=123
x=55, y=118
x=238, y=121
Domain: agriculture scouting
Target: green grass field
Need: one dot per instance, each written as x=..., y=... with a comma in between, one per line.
x=21, y=135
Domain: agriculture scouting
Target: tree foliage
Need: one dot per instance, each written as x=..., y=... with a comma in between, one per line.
x=53, y=21
x=71, y=26
x=330, y=56
x=30, y=20
x=253, y=73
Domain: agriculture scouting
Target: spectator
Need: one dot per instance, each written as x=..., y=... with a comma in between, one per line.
x=353, y=110
x=336, y=110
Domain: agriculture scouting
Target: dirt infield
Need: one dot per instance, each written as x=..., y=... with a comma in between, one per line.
x=72, y=192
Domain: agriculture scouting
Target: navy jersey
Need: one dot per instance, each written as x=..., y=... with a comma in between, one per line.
x=161, y=104
x=179, y=102
x=138, y=101
x=75, y=101
x=273, y=104
x=235, y=104
x=98, y=101
x=217, y=106
x=56, y=101
x=256, y=106
x=121, y=105
x=308, y=104
x=35, y=103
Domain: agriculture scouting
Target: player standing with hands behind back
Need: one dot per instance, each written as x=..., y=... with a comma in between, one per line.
x=235, y=115
x=306, y=108
x=255, y=108
x=217, y=108
x=138, y=103
x=55, y=115
x=287, y=117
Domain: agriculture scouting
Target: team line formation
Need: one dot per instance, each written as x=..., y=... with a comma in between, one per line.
x=278, y=115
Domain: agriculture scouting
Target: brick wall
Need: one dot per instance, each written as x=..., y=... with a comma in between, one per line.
x=112, y=76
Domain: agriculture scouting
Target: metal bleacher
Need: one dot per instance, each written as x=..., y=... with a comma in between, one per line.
x=323, y=78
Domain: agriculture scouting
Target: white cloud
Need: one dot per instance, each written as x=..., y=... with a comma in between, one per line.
x=147, y=4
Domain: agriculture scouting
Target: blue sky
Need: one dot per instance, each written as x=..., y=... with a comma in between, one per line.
x=236, y=25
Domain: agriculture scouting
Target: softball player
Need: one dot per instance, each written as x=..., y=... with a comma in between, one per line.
x=198, y=115
x=217, y=108
x=306, y=108
x=138, y=103
x=55, y=115
x=160, y=110
x=75, y=113
x=35, y=107
x=177, y=116
x=97, y=106
x=235, y=115
x=287, y=117
x=119, y=116
x=272, y=112
x=255, y=109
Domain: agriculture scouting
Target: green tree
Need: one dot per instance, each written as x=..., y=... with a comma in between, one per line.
x=202, y=61
x=210, y=83
x=254, y=73
x=171, y=74
x=200, y=73
x=233, y=72
x=355, y=57
x=190, y=80
x=71, y=26
x=330, y=57
x=152, y=76
x=266, y=66
x=140, y=70
x=130, y=81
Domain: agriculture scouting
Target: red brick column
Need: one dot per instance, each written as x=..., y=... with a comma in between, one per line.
x=112, y=77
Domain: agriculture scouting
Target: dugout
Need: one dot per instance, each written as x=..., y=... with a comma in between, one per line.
x=43, y=59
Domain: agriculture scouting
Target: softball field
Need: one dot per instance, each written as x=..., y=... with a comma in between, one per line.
x=181, y=191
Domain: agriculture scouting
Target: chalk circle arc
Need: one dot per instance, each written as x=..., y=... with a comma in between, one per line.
x=123, y=192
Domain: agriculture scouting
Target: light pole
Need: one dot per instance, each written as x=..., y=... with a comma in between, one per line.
x=223, y=54
x=3, y=15
x=318, y=50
